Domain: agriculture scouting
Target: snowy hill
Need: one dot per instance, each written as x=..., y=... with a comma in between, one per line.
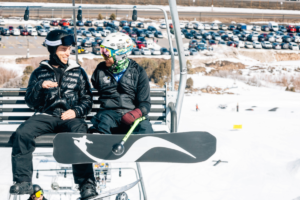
x=263, y=157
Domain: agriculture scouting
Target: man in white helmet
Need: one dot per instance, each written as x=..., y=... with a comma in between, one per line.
x=124, y=91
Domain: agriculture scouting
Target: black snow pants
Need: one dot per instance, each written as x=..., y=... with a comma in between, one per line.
x=109, y=122
x=24, y=144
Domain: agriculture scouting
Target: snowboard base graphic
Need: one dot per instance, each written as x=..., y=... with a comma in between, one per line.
x=184, y=147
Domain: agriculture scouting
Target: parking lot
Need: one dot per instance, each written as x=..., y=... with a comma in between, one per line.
x=204, y=37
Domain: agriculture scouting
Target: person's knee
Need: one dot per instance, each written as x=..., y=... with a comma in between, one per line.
x=144, y=127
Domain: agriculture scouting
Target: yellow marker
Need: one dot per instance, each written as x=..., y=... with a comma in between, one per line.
x=237, y=126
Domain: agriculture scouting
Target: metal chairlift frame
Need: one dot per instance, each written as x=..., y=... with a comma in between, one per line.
x=181, y=56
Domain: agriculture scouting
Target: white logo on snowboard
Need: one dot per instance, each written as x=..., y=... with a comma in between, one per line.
x=138, y=149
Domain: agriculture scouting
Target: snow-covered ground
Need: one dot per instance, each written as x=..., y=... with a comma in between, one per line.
x=263, y=157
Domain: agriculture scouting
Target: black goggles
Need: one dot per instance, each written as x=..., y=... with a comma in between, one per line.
x=68, y=40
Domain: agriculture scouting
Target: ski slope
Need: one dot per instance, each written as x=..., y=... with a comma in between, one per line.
x=263, y=157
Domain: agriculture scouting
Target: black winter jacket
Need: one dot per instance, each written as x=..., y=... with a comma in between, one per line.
x=73, y=91
x=132, y=91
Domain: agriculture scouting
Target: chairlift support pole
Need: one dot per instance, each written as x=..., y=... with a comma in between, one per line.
x=182, y=61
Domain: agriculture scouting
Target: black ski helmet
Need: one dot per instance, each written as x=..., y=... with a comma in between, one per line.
x=36, y=188
x=122, y=196
x=56, y=38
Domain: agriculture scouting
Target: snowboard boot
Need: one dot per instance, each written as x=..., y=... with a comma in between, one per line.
x=21, y=188
x=88, y=189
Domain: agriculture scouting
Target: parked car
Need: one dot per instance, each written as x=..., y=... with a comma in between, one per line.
x=212, y=42
x=256, y=45
x=261, y=38
x=158, y=34
x=231, y=44
x=140, y=25
x=5, y=32
x=145, y=51
x=225, y=37
x=221, y=42
x=45, y=23
x=132, y=34
x=136, y=51
x=98, y=23
x=193, y=52
x=152, y=29
x=284, y=45
x=193, y=44
x=24, y=32
x=88, y=23
x=189, y=36
x=198, y=26
x=256, y=28
x=234, y=38
x=291, y=28
x=155, y=52
x=278, y=39
x=86, y=43
x=214, y=26
x=282, y=28
x=16, y=32
x=42, y=32
x=221, y=33
x=266, y=45
x=249, y=45
x=252, y=38
x=223, y=27
x=207, y=27
x=163, y=26
x=64, y=22
x=198, y=36
x=149, y=34
x=286, y=39
x=164, y=51
x=293, y=46
x=79, y=23
x=87, y=34
x=236, y=32
x=271, y=38
x=33, y=33
x=276, y=46
x=231, y=27
x=132, y=24
x=265, y=28
x=216, y=36
x=140, y=44
x=96, y=50
x=124, y=23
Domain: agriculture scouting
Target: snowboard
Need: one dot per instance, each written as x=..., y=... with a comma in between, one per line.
x=184, y=147
x=113, y=191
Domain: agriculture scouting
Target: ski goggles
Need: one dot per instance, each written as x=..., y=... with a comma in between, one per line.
x=68, y=40
x=39, y=193
x=106, y=52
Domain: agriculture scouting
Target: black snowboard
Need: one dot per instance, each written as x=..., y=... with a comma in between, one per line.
x=185, y=147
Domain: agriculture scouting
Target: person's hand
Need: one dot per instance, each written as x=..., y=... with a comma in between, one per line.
x=49, y=84
x=131, y=116
x=69, y=114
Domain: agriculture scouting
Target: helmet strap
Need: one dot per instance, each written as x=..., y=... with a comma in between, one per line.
x=54, y=59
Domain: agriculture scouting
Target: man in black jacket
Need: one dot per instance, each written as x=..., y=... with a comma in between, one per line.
x=123, y=86
x=60, y=94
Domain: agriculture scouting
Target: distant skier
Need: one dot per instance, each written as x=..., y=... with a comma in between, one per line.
x=197, y=108
x=124, y=90
x=38, y=193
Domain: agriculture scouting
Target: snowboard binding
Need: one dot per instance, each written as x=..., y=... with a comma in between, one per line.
x=118, y=149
